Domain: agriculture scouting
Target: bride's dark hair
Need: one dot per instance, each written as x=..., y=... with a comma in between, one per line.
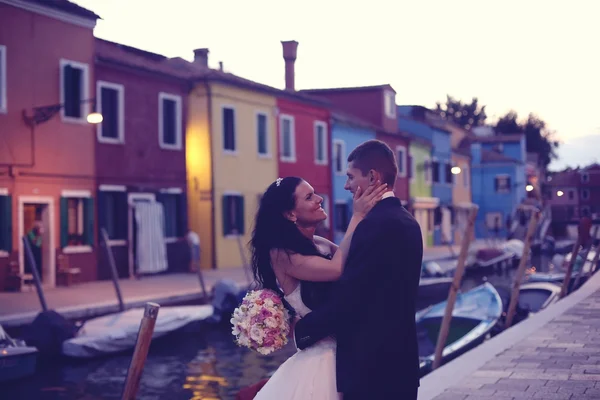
x=272, y=230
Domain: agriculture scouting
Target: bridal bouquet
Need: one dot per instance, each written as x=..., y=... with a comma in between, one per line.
x=261, y=322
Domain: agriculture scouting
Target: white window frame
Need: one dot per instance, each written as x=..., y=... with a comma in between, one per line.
x=404, y=160
x=508, y=189
x=178, y=120
x=292, y=158
x=235, y=130
x=113, y=189
x=77, y=194
x=3, y=80
x=267, y=139
x=323, y=143
x=342, y=144
x=427, y=172
x=85, y=95
x=389, y=99
x=120, y=110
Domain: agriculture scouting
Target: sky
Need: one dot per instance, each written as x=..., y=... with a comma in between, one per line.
x=528, y=56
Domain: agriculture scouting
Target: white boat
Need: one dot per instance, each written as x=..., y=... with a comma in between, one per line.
x=17, y=360
x=118, y=332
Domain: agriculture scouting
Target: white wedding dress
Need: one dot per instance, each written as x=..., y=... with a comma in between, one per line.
x=307, y=375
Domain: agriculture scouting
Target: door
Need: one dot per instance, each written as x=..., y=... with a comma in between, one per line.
x=35, y=224
x=132, y=200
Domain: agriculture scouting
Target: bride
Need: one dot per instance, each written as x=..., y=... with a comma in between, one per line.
x=289, y=258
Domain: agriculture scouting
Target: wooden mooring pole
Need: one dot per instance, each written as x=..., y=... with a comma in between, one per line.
x=34, y=271
x=460, y=269
x=134, y=374
x=113, y=268
x=565, y=285
x=514, y=298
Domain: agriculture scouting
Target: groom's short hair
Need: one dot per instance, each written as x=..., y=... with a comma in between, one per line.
x=375, y=154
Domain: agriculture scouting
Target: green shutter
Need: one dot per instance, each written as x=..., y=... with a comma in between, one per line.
x=6, y=223
x=88, y=229
x=225, y=214
x=64, y=222
x=240, y=214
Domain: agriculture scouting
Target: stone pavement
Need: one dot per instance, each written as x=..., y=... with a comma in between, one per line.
x=552, y=355
x=99, y=297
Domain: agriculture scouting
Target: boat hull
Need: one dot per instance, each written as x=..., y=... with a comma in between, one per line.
x=17, y=362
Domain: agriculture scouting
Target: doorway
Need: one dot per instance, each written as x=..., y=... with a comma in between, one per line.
x=132, y=200
x=36, y=222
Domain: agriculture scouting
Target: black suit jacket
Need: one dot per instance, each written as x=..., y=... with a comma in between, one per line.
x=371, y=310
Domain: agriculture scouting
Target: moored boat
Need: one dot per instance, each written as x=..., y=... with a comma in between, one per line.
x=17, y=360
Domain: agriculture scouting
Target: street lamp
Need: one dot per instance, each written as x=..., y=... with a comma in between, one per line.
x=560, y=193
x=45, y=113
x=455, y=170
x=529, y=188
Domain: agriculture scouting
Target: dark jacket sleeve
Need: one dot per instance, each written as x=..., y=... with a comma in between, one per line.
x=344, y=304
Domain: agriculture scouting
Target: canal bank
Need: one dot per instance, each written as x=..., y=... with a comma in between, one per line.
x=554, y=354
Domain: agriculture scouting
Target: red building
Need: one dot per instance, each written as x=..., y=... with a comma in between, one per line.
x=304, y=136
x=376, y=105
x=47, y=184
x=590, y=191
x=140, y=160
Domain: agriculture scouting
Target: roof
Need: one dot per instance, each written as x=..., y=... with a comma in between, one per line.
x=177, y=67
x=66, y=6
x=568, y=177
x=512, y=137
x=348, y=89
x=349, y=119
x=494, y=156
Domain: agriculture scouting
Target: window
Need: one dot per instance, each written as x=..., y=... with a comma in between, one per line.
x=233, y=214
x=448, y=173
x=465, y=174
x=411, y=168
x=339, y=156
x=585, y=178
x=287, y=145
x=5, y=222
x=169, y=121
x=435, y=171
x=341, y=215
x=3, y=80
x=174, y=207
x=390, y=104
x=262, y=134
x=427, y=167
x=502, y=184
x=76, y=219
x=321, y=143
x=571, y=194
x=229, y=142
x=113, y=212
x=401, y=155
x=110, y=99
x=585, y=194
x=74, y=91
x=493, y=220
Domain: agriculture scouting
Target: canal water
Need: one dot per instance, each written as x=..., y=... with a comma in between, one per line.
x=204, y=365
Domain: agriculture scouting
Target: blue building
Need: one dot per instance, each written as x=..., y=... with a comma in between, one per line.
x=498, y=181
x=347, y=133
x=413, y=120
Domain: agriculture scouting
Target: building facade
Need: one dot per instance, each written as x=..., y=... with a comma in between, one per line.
x=47, y=186
x=422, y=203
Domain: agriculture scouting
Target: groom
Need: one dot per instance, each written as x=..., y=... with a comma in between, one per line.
x=372, y=308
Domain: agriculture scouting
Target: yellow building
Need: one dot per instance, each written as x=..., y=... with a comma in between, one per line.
x=231, y=159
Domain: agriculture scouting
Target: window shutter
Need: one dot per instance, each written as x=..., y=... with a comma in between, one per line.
x=64, y=222
x=225, y=214
x=102, y=215
x=240, y=214
x=88, y=210
x=181, y=215
x=122, y=218
x=161, y=198
x=6, y=223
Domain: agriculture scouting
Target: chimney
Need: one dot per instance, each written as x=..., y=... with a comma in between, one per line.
x=201, y=57
x=289, y=55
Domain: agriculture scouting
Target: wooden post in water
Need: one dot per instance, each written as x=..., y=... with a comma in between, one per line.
x=514, y=298
x=35, y=273
x=585, y=256
x=134, y=374
x=460, y=269
x=565, y=285
x=113, y=268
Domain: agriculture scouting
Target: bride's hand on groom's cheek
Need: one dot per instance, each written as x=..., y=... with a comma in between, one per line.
x=365, y=201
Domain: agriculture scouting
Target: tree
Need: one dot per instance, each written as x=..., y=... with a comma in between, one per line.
x=467, y=115
x=537, y=135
